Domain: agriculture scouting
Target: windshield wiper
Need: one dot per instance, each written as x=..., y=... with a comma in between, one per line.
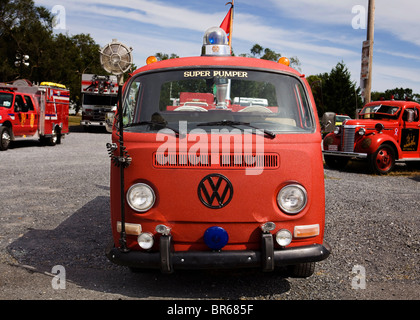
x=235, y=124
x=153, y=125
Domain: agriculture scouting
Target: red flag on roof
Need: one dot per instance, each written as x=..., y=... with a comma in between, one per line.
x=226, y=22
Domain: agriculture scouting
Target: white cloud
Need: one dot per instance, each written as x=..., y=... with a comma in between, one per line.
x=400, y=18
x=322, y=33
x=320, y=11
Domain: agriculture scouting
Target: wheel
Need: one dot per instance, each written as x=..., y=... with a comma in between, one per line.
x=336, y=162
x=5, y=138
x=59, y=136
x=52, y=141
x=382, y=161
x=302, y=270
x=55, y=138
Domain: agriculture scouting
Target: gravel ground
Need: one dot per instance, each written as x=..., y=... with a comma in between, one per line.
x=55, y=211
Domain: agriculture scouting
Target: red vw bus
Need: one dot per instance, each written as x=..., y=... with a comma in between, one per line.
x=220, y=166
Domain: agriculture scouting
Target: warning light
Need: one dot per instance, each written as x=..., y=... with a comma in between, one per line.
x=215, y=43
x=151, y=59
x=285, y=61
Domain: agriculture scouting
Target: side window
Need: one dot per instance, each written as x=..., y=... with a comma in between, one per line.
x=19, y=104
x=130, y=102
x=303, y=106
x=6, y=100
x=416, y=114
x=29, y=104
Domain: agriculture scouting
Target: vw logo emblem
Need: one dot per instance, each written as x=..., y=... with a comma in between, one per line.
x=215, y=191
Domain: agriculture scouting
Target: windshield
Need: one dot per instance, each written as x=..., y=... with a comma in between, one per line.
x=6, y=100
x=379, y=112
x=99, y=100
x=341, y=118
x=211, y=97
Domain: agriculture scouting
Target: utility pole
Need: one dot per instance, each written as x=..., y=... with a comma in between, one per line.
x=367, y=55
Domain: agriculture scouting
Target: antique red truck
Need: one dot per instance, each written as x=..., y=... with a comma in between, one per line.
x=386, y=132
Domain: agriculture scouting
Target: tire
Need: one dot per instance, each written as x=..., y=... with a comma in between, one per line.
x=59, y=136
x=5, y=138
x=337, y=163
x=55, y=138
x=382, y=161
x=302, y=270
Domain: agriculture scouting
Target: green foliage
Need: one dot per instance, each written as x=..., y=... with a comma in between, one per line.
x=164, y=56
x=335, y=92
x=257, y=51
x=397, y=94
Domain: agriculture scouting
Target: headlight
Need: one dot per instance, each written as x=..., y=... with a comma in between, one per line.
x=362, y=131
x=337, y=130
x=140, y=197
x=283, y=237
x=292, y=198
x=145, y=240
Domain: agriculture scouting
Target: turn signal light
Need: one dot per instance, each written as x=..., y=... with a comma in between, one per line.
x=130, y=228
x=306, y=231
x=285, y=61
x=151, y=59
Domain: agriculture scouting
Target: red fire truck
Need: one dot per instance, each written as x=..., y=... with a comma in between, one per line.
x=386, y=132
x=99, y=96
x=211, y=182
x=30, y=111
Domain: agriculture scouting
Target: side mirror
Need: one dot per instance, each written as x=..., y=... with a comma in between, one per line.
x=328, y=122
x=109, y=121
x=409, y=115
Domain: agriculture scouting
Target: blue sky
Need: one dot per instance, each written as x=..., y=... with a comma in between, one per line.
x=319, y=32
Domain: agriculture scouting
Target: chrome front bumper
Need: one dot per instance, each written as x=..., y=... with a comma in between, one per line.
x=345, y=154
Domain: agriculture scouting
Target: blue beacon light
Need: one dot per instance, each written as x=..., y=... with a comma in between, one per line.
x=216, y=238
x=215, y=43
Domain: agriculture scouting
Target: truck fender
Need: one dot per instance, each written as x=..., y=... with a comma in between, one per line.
x=10, y=126
x=382, y=139
x=53, y=138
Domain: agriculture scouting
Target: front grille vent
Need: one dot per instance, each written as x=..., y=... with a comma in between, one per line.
x=228, y=161
x=347, y=138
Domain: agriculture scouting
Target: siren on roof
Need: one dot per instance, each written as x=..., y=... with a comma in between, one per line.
x=215, y=43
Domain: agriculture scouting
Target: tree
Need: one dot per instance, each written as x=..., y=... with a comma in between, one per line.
x=27, y=30
x=257, y=51
x=397, y=94
x=317, y=84
x=339, y=94
x=164, y=56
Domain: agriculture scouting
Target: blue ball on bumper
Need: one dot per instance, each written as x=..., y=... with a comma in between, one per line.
x=216, y=238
